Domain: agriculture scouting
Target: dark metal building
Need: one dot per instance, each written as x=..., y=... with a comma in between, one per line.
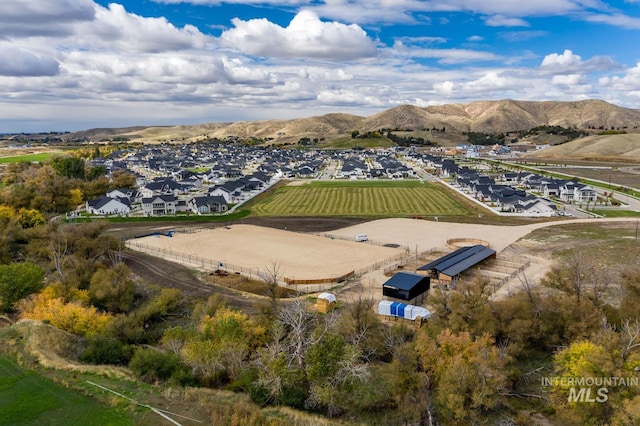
x=449, y=267
x=407, y=287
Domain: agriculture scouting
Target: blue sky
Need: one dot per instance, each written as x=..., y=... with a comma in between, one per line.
x=78, y=64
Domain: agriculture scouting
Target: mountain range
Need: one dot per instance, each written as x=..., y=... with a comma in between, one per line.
x=482, y=116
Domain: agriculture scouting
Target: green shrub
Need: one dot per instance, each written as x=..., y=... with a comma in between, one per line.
x=104, y=350
x=152, y=365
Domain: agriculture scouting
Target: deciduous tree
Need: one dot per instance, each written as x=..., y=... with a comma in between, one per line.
x=468, y=374
x=17, y=281
x=112, y=289
x=71, y=317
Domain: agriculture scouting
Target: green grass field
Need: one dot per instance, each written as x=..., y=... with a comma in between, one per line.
x=617, y=213
x=29, y=399
x=347, y=142
x=28, y=157
x=360, y=198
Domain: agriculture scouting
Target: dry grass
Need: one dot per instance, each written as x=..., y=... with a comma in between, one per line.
x=54, y=348
x=225, y=408
x=624, y=147
x=482, y=116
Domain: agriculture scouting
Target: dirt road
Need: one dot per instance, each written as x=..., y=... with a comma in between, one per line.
x=155, y=270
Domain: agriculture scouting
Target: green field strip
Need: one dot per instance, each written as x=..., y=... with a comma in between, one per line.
x=345, y=198
x=317, y=203
x=38, y=158
x=27, y=398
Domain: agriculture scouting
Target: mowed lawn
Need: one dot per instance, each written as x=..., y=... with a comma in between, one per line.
x=29, y=399
x=397, y=198
x=39, y=158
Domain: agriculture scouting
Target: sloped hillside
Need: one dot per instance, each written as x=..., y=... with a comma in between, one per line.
x=505, y=116
x=601, y=147
x=482, y=116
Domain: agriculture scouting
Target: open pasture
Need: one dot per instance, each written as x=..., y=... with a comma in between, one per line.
x=39, y=157
x=399, y=198
x=30, y=399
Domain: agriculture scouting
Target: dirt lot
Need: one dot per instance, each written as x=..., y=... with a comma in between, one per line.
x=541, y=248
x=296, y=224
x=253, y=249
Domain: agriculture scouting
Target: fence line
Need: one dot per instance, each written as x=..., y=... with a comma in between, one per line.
x=388, y=265
x=193, y=259
x=374, y=242
x=211, y=264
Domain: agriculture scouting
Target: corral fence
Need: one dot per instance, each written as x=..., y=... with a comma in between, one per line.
x=368, y=241
x=503, y=269
x=339, y=279
x=207, y=264
x=456, y=243
x=500, y=270
x=379, y=264
x=416, y=260
x=194, y=260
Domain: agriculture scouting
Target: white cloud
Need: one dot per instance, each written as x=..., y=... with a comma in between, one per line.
x=420, y=41
x=305, y=37
x=501, y=12
x=568, y=62
x=566, y=59
x=508, y=13
x=629, y=82
x=22, y=63
x=115, y=29
x=505, y=21
x=33, y=18
x=445, y=88
x=493, y=81
x=109, y=66
x=568, y=80
x=615, y=19
x=444, y=56
x=256, y=2
x=351, y=97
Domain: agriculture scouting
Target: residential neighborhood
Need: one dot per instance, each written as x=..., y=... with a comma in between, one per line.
x=215, y=178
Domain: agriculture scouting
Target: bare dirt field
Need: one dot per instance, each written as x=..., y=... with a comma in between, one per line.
x=252, y=248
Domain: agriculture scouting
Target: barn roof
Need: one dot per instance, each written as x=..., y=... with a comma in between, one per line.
x=404, y=280
x=458, y=261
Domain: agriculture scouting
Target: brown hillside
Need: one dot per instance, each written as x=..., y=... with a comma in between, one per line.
x=482, y=116
x=504, y=116
x=601, y=147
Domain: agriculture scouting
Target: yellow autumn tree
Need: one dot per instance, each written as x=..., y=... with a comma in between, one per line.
x=583, y=359
x=578, y=391
x=223, y=344
x=75, y=197
x=469, y=374
x=72, y=317
x=28, y=218
x=7, y=213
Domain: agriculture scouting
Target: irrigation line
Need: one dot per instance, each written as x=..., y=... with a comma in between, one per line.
x=159, y=411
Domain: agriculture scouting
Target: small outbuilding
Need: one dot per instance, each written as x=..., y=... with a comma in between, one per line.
x=326, y=302
x=406, y=287
x=388, y=308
